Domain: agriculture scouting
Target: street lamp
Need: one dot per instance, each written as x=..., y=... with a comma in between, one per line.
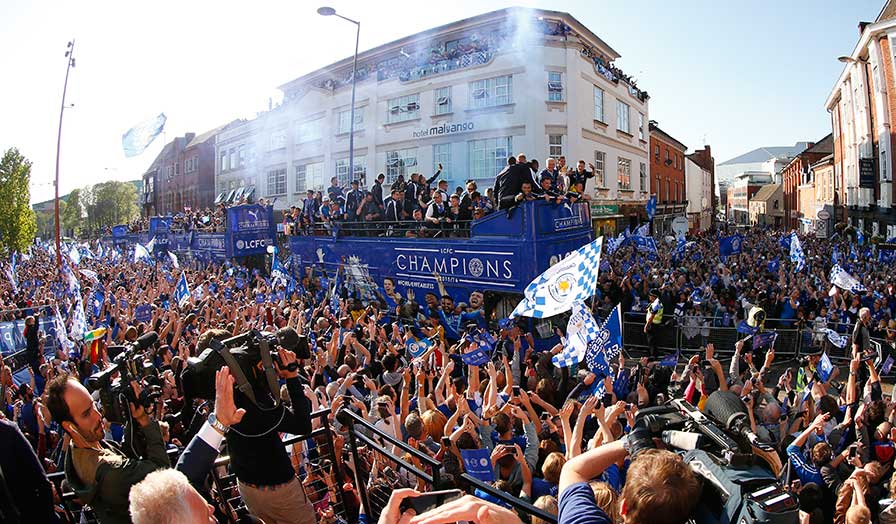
x=329, y=11
x=69, y=63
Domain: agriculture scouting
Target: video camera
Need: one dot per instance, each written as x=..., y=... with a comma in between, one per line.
x=739, y=473
x=250, y=357
x=130, y=362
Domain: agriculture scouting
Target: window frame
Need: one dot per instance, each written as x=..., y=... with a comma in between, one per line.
x=600, y=168
x=624, y=173
x=444, y=108
x=594, y=101
x=277, y=172
x=619, y=117
x=555, y=86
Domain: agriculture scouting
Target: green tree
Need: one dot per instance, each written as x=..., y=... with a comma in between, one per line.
x=109, y=203
x=70, y=212
x=18, y=224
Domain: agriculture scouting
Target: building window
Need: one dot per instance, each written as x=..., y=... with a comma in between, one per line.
x=309, y=176
x=624, y=173
x=555, y=146
x=224, y=161
x=599, y=104
x=177, y=168
x=491, y=92
x=278, y=140
x=555, y=86
x=668, y=190
x=488, y=157
x=360, y=171
x=400, y=162
x=241, y=156
x=233, y=161
x=776, y=204
x=656, y=153
x=344, y=120
x=308, y=131
x=403, y=108
x=622, y=117
x=676, y=161
x=277, y=182
x=641, y=125
x=441, y=154
x=443, y=100
x=600, y=160
x=642, y=179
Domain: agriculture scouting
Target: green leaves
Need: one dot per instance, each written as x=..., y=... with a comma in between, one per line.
x=18, y=224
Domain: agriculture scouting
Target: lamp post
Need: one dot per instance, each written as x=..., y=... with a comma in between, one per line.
x=69, y=63
x=329, y=11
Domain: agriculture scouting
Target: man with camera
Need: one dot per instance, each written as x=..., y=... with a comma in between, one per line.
x=264, y=471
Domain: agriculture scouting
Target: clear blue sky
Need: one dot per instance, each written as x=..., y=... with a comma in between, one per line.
x=742, y=74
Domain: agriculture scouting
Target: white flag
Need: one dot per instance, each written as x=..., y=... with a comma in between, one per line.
x=580, y=330
x=571, y=280
x=843, y=280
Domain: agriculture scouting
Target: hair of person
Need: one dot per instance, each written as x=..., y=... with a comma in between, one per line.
x=435, y=421
x=160, y=498
x=552, y=466
x=56, y=398
x=660, y=489
x=211, y=334
x=414, y=425
x=548, y=504
x=858, y=515
x=606, y=498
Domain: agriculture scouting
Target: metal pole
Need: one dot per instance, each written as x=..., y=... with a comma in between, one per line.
x=351, y=133
x=70, y=55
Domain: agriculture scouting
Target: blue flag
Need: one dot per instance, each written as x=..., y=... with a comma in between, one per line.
x=797, y=256
x=785, y=241
x=475, y=357
x=417, y=347
x=732, y=245
x=887, y=365
x=260, y=298
x=774, y=265
x=825, y=367
x=670, y=361
x=97, y=303
x=182, y=291
x=138, y=138
x=606, y=345
x=143, y=313
x=651, y=207
x=478, y=464
x=766, y=339
x=745, y=328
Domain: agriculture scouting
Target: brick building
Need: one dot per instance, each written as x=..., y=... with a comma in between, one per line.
x=182, y=175
x=700, y=184
x=796, y=174
x=862, y=105
x=667, y=177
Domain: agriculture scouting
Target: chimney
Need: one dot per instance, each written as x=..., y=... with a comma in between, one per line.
x=189, y=138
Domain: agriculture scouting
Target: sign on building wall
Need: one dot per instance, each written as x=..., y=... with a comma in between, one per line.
x=866, y=173
x=446, y=128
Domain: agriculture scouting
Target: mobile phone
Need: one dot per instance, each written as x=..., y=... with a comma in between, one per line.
x=607, y=400
x=446, y=442
x=430, y=500
x=545, y=415
x=796, y=485
x=628, y=407
x=516, y=391
x=852, y=452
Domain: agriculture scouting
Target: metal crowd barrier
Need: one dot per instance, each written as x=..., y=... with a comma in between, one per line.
x=691, y=334
x=395, y=471
x=224, y=492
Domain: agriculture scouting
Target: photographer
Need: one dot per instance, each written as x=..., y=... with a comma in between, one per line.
x=660, y=488
x=101, y=472
x=266, y=478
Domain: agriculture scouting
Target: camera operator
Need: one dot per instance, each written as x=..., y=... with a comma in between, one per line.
x=264, y=471
x=660, y=487
x=101, y=472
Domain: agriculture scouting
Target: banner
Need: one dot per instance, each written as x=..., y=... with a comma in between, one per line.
x=250, y=230
x=119, y=231
x=478, y=464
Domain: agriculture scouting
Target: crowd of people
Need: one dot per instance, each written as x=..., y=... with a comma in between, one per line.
x=567, y=440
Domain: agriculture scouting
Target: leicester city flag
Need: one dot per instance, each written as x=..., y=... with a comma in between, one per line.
x=797, y=256
x=182, y=291
x=571, y=280
x=607, y=345
x=651, y=207
x=417, y=348
x=732, y=245
x=138, y=138
x=581, y=329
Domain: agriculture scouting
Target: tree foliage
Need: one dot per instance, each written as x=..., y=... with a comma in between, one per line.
x=108, y=204
x=71, y=214
x=18, y=224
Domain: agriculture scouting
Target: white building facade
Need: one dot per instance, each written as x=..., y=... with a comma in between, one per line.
x=466, y=95
x=698, y=186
